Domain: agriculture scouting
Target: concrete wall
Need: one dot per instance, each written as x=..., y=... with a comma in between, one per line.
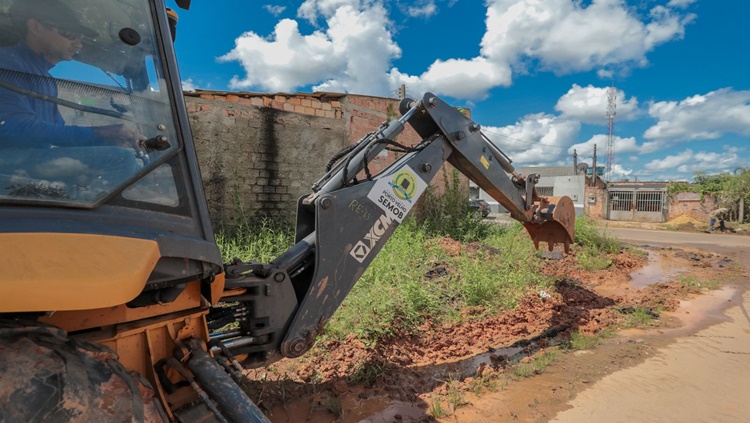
x=573, y=186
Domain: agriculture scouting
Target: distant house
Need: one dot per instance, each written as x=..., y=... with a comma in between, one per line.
x=637, y=201
x=553, y=181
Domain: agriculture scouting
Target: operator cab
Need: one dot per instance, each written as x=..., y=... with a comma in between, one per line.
x=95, y=150
x=78, y=126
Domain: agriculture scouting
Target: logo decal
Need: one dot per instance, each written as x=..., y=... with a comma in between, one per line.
x=396, y=194
x=404, y=185
x=363, y=247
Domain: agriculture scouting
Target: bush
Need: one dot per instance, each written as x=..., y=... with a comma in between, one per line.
x=449, y=214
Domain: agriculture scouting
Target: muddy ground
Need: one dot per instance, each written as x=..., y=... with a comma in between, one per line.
x=519, y=366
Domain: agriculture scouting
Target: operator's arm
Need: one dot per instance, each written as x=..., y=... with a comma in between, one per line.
x=21, y=127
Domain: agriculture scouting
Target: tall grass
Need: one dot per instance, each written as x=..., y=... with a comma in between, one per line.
x=595, y=246
x=589, y=236
x=394, y=296
x=448, y=213
x=495, y=267
x=260, y=238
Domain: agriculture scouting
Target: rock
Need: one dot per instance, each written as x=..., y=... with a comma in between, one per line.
x=551, y=255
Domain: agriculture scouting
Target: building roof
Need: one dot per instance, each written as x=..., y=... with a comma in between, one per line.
x=631, y=184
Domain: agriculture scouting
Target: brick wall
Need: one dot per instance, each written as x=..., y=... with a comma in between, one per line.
x=692, y=204
x=595, y=210
x=261, y=152
x=257, y=158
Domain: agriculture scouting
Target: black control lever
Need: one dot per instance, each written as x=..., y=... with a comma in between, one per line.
x=158, y=143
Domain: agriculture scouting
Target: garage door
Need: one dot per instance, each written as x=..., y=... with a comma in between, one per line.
x=636, y=205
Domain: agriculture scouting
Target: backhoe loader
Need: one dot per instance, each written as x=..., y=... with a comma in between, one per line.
x=113, y=296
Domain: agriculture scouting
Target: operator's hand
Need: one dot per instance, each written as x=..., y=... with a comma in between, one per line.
x=120, y=135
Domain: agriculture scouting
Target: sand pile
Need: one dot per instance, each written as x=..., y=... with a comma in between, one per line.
x=684, y=219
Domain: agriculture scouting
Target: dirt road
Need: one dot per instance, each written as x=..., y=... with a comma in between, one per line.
x=704, y=376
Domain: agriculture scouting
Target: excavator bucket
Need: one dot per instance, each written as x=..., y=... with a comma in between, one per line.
x=558, y=223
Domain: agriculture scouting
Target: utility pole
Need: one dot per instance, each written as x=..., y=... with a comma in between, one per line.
x=575, y=162
x=402, y=92
x=593, y=171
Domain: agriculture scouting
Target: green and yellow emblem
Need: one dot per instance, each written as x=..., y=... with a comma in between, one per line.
x=404, y=185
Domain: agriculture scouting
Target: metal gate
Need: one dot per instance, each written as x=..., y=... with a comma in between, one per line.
x=637, y=205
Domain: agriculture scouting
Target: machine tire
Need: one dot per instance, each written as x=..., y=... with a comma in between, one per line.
x=46, y=376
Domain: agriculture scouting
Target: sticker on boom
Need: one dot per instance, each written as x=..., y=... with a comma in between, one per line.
x=362, y=249
x=396, y=195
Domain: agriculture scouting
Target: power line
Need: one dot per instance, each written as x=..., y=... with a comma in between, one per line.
x=523, y=142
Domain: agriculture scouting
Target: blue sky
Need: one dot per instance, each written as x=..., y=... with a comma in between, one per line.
x=535, y=73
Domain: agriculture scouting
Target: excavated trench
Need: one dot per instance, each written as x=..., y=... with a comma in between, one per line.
x=450, y=365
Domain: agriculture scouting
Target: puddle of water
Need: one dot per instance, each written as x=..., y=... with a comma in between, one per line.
x=707, y=309
x=394, y=412
x=471, y=364
x=658, y=269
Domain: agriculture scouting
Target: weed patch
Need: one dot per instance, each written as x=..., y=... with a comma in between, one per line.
x=536, y=365
x=436, y=408
x=591, y=238
x=638, y=317
x=694, y=283
x=581, y=341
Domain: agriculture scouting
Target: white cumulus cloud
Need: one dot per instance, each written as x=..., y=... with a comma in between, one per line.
x=619, y=146
x=457, y=78
x=680, y=3
x=619, y=172
x=537, y=139
x=423, y=9
x=688, y=162
x=353, y=49
x=589, y=105
x=274, y=9
x=701, y=117
x=188, y=85
x=352, y=54
x=564, y=36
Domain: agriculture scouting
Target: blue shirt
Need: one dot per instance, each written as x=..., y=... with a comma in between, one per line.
x=29, y=122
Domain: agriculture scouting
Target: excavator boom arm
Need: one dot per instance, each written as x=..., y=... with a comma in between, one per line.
x=291, y=299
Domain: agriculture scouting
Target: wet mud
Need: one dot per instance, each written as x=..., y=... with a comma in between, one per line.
x=491, y=367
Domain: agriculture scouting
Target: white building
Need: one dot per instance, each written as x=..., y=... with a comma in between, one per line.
x=553, y=181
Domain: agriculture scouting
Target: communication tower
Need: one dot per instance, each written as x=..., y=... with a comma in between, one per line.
x=611, y=101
